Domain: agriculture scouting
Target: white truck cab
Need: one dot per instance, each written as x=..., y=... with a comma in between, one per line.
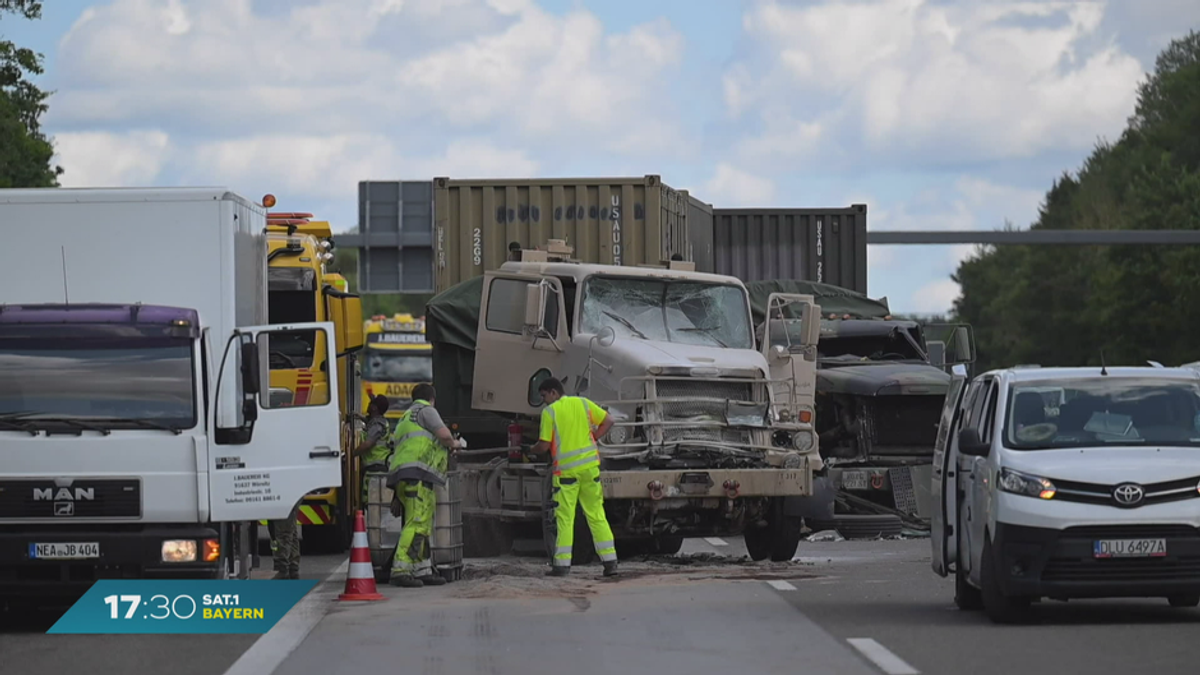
x=1068, y=483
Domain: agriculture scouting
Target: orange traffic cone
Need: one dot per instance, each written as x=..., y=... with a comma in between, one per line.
x=360, y=582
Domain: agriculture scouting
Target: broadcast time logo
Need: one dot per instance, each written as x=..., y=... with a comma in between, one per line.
x=175, y=606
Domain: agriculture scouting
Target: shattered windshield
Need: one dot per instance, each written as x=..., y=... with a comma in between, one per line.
x=684, y=312
x=890, y=346
x=1125, y=411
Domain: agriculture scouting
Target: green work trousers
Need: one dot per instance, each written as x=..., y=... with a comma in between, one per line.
x=582, y=487
x=412, y=556
x=285, y=545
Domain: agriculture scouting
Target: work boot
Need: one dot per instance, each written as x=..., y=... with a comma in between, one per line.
x=610, y=569
x=294, y=574
x=432, y=580
x=558, y=571
x=406, y=581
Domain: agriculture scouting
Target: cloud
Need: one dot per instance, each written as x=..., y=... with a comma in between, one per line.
x=411, y=71
x=124, y=159
x=905, y=78
x=732, y=187
x=935, y=298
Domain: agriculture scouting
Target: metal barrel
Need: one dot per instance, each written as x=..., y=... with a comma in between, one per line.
x=447, y=548
x=383, y=529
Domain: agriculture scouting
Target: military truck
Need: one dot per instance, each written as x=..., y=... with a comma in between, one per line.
x=878, y=398
x=714, y=436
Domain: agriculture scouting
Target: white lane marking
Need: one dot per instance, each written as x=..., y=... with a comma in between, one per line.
x=268, y=651
x=881, y=656
x=716, y=541
x=781, y=585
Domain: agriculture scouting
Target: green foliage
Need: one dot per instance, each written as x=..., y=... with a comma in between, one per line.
x=345, y=262
x=1065, y=305
x=25, y=153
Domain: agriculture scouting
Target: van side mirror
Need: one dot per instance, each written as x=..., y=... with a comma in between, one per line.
x=536, y=299
x=970, y=444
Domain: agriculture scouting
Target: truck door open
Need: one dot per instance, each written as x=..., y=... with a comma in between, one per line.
x=944, y=489
x=265, y=459
x=521, y=340
x=789, y=343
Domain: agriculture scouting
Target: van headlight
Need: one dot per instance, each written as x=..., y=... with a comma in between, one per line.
x=616, y=435
x=1019, y=483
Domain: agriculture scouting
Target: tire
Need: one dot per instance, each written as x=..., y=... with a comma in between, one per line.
x=758, y=542
x=1000, y=608
x=820, y=524
x=666, y=544
x=785, y=533
x=870, y=526
x=1184, y=600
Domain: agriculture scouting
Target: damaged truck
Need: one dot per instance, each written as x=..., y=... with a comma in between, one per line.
x=878, y=403
x=714, y=436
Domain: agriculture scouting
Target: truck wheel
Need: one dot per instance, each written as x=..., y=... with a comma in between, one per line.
x=1184, y=599
x=667, y=544
x=758, y=542
x=1000, y=608
x=785, y=537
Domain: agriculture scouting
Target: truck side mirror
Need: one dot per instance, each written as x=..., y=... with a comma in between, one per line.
x=345, y=311
x=961, y=346
x=251, y=375
x=536, y=299
x=812, y=324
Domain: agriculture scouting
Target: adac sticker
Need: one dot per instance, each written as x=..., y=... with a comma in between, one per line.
x=188, y=607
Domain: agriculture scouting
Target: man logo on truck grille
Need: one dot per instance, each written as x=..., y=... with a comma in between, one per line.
x=1128, y=494
x=64, y=494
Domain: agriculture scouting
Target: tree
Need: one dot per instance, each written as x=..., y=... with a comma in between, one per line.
x=25, y=152
x=1065, y=305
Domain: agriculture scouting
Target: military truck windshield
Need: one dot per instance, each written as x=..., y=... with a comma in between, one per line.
x=396, y=366
x=881, y=346
x=684, y=312
x=1102, y=410
x=109, y=384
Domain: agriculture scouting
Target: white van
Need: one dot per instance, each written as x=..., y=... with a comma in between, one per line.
x=1100, y=500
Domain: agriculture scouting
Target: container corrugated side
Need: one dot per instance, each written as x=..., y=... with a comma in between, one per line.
x=700, y=234
x=824, y=245
x=613, y=221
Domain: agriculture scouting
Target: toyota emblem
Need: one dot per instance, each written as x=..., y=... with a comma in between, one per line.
x=1128, y=494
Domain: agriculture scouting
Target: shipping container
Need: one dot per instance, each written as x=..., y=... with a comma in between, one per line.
x=613, y=221
x=824, y=245
x=700, y=234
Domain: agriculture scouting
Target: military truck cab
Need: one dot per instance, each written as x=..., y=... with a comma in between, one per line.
x=714, y=436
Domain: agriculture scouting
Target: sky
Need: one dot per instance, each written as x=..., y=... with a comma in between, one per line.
x=939, y=115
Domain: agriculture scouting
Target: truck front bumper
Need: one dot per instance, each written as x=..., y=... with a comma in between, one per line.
x=702, y=483
x=124, y=552
x=1040, y=562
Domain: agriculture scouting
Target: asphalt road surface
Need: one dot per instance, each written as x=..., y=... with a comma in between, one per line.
x=846, y=607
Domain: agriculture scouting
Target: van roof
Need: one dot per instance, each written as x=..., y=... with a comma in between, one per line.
x=1041, y=374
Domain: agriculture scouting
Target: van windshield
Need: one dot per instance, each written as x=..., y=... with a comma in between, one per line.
x=117, y=383
x=684, y=312
x=1102, y=411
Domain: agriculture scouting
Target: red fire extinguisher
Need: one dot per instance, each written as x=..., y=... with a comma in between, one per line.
x=514, y=442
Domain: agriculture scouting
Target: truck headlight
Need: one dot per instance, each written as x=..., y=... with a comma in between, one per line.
x=179, y=550
x=1019, y=483
x=802, y=441
x=793, y=461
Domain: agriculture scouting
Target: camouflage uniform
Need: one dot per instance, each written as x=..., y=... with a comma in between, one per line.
x=285, y=546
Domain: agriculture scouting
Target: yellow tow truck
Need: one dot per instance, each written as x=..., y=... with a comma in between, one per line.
x=300, y=289
x=397, y=359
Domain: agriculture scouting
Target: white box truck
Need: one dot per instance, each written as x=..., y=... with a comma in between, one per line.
x=136, y=433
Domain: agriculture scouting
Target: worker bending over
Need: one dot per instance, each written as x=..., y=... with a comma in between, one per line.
x=568, y=432
x=417, y=464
